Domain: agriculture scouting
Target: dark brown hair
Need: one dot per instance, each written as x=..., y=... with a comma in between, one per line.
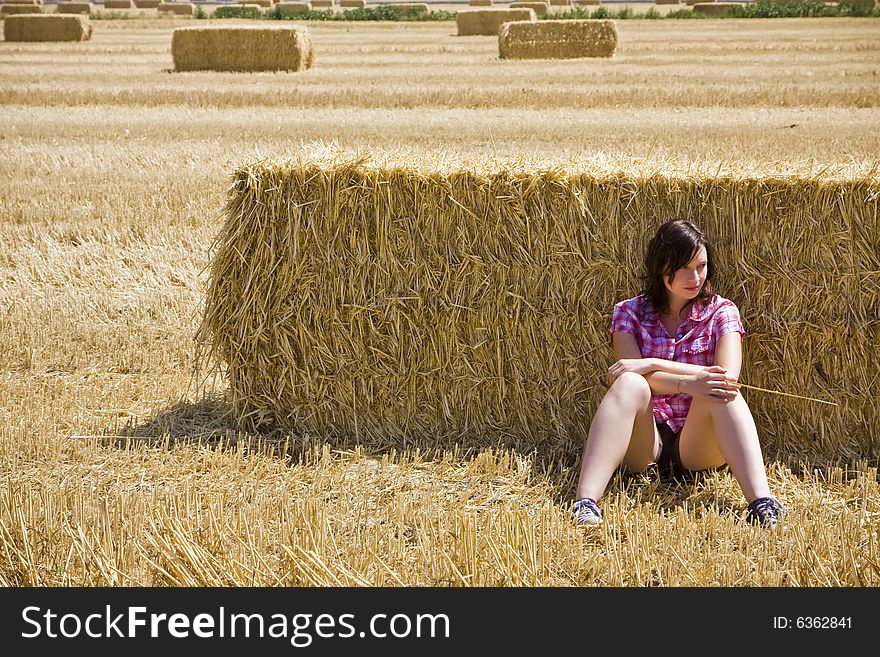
x=674, y=245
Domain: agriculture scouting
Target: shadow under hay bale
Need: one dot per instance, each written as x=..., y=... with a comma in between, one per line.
x=562, y=39
x=242, y=48
x=470, y=304
x=487, y=22
x=47, y=27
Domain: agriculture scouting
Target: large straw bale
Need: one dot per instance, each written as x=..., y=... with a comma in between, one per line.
x=352, y=4
x=295, y=7
x=487, y=22
x=21, y=2
x=540, y=8
x=75, y=8
x=322, y=4
x=242, y=48
x=667, y=2
x=562, y=39
x=480, y=3
x=177, y=8
x=118, y=4
x=560, y=3
x=147, y=4
x=47, y=27
x=588, y=2
x=404, y=301
x=20, y=9
x=259, y=3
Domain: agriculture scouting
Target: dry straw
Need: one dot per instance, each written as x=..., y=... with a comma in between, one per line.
x=480, y=3
x=667, y=2
x=259, y=3
x=352, y=4
x=487, y=22
x=21, y=2
x=562, y=39
x=588, y=2
x=242, y=48
x=391, y=300
x=75, y=8
x=322, y=4
x=560, y=3
x=21, y=9
x=540, y=8
x=47, y=27
x=147, y=4
x=118, y=4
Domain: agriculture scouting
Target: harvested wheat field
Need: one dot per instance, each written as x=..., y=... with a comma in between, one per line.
x=122, y=458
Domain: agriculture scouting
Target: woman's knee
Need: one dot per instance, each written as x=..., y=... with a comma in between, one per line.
x=631, y=386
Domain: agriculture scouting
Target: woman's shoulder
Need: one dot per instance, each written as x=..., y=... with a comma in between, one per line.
x=636, y=304
x=715, y=307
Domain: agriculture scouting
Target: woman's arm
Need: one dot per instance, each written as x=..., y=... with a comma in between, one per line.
x=715, y=383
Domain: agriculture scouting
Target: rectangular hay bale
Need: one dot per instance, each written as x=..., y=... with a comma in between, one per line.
x=47, y=27
x=487, y=22
x=177, y=8
x=294, y=7
x=75, y=8
x=559, y=39
x=118, y=4
x=540, y=8
x=323, y=4
x=147, y=4
x=20, y=9
x=242, y=48
x=418, y=302
x=353, y=4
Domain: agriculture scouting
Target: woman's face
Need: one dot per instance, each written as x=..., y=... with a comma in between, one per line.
x=687, y=282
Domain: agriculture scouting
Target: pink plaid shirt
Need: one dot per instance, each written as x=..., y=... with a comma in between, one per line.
x=694, y=343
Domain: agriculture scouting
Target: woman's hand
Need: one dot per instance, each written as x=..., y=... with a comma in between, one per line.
x=712, y=384
x=641, y=366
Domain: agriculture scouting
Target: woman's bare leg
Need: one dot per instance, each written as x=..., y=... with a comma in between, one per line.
x=716, y=433
x=622, y=431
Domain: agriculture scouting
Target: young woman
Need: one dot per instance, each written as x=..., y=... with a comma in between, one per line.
x=673, y=397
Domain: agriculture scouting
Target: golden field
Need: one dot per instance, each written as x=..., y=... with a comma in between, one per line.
x=120, y=466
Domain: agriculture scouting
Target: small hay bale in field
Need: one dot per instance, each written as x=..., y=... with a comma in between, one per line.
x=353, y=4
x=667, y=2
x=714, y=8
x=588, y=2
x=560, y=3
x=540, y=8
x=75, y=8
x=294, y=7
x=20, y=9
x=480, y=3
x=118, y=4
x=177, y=8
x=47, y=27
x=21, y=2
x=395, y=299
x=322, y=4
x=487, y=22
x=562, y=39
x=242, y=48
x=258, y=3
x=412, y=8
x=147, y=4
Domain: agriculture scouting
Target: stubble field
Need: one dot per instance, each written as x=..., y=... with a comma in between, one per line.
x=119, y=466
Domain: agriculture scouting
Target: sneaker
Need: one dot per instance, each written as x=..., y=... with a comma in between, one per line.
x=586, y=512
x=766, y=511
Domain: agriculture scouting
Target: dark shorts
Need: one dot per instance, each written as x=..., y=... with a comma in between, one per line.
x=669, y=461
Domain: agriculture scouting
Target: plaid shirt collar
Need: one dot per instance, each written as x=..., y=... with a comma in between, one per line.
x=699, y=311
